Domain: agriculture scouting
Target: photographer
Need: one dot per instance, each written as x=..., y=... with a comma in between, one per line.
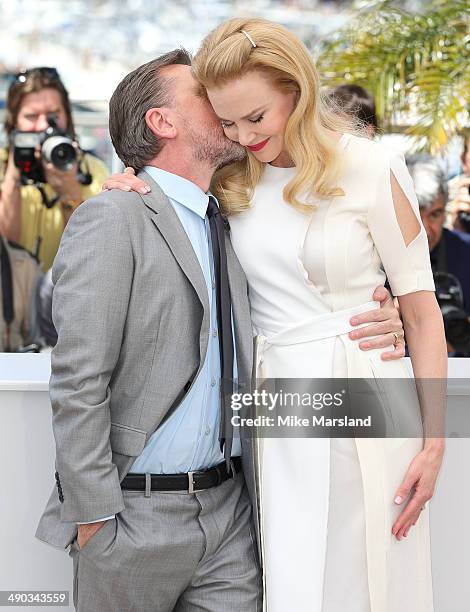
x=459, y=192
x=449, y=251
x=43, y=175
x=19, y=276
x=356, y=101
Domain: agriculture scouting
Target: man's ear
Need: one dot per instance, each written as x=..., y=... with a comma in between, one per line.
x=160, y=121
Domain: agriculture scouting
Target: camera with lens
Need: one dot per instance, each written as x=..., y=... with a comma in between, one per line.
x=449, y=295
x=56, y=148
x=464, y=220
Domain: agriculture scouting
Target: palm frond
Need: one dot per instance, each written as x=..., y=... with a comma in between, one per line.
x=415, y=65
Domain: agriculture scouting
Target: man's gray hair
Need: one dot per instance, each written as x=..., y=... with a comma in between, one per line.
x=139, y=91
x=428, y=178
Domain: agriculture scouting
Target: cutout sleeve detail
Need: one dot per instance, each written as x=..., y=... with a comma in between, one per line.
x=397, y=231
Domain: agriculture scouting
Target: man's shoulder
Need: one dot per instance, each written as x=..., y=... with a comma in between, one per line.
x=115, y=200
x=459, y=239
x=111, y=212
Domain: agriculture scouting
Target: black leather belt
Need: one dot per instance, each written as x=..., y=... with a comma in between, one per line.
x=190, y=482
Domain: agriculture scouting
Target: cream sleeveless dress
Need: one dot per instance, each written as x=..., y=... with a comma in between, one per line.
x=326, y=505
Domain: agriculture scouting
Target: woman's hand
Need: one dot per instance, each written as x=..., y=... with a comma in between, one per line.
x=385, y=329
x=126, y=181
x=461, y=203
x=420, y=479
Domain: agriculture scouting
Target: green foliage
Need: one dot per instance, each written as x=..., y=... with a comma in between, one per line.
x=416, y=65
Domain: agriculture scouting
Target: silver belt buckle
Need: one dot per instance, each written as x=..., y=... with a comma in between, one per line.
x=191, y=488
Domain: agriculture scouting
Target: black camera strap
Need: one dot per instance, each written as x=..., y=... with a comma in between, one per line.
x=7, y=293
x=45, y=200
x=84, y=176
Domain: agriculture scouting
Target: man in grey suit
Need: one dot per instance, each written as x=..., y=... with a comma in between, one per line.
x=136, y=369
x=162, y=523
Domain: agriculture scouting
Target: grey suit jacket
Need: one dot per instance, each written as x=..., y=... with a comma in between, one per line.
x=131, y=310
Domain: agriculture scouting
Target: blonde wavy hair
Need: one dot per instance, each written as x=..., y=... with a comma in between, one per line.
x=226, y=54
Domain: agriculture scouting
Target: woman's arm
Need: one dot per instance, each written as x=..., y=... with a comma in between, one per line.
x=425, y=336
x=424, y=328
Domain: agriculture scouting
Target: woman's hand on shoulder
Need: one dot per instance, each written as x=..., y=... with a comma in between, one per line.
x=126, y=181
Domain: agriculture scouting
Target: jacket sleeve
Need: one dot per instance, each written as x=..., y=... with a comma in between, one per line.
x=92, y=276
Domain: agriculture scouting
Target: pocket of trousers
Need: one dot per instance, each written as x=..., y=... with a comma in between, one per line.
x=98, y=537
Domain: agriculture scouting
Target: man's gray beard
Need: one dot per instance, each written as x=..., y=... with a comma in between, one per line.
x=217, y=151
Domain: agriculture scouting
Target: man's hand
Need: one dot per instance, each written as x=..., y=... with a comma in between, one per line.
x=461, y=203
x=86, y=532
x=10, y=202
x=12, y=172
x=385, y=322
x=64, y=182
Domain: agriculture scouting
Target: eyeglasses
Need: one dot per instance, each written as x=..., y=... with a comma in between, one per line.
x=43, y=71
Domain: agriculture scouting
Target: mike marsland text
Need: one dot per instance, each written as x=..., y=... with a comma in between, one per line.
x=296, y=421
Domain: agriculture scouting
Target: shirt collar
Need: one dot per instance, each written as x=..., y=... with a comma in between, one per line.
x=181, y=190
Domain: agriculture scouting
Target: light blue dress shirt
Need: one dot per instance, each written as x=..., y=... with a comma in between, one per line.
x=189, y=439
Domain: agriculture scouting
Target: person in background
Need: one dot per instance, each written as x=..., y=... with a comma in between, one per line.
x=19, y=276
x=37, y=98
x=449, y=249
x=44, y=309
x=355, y=101
x=459, y=192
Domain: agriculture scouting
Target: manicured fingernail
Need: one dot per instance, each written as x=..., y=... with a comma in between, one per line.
x=353, y=321
x=398, y=499
x=143, y=190
x=127, y=188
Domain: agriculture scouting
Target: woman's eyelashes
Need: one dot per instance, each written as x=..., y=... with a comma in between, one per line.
x=226, y=124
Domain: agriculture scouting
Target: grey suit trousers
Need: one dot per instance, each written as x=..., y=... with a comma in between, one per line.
x=172, y=551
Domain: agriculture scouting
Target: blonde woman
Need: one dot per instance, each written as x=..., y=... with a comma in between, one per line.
x=315, y=211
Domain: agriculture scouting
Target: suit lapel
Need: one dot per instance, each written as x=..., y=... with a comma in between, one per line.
x=167, y=222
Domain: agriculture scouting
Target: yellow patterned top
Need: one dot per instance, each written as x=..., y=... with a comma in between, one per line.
x=43, y=226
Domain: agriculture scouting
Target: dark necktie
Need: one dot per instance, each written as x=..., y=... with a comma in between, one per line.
x=224, y=321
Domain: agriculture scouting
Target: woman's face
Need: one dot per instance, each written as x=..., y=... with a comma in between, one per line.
x=255, y=114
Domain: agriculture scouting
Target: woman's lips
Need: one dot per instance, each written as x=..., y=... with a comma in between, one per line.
x=257, y=147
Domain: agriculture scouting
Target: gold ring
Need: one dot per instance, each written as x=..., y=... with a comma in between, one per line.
x=397, y=338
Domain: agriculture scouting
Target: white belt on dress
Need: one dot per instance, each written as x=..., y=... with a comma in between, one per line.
x=327, y=325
